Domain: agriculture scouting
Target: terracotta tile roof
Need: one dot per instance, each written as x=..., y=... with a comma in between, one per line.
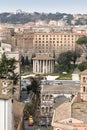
x=62, y=112
x=77, y=110
x=18, y=108
x=84, y=72
x=61, y=88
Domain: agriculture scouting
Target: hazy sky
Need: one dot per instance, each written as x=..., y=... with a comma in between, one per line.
x=66, y=6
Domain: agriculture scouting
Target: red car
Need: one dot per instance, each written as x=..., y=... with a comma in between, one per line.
x=30, y=124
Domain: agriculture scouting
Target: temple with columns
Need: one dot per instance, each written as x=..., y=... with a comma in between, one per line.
x=43, y=64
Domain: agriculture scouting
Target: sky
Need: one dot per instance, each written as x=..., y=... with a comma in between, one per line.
x=46, y=6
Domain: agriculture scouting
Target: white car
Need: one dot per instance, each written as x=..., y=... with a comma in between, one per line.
x=26, y=101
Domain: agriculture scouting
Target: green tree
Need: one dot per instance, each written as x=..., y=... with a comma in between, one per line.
x=7, y=68
x=22, y=61
x=27, y=62
x=82, y=66
x=65, y=59
x=35, y=85
x=36, y=89
x=83, y=42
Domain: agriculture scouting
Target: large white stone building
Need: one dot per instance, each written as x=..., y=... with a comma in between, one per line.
x=6, y=105
x=43, y=64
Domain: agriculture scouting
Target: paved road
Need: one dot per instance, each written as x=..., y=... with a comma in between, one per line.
x=59, y=82
x=36, y=127
x=29, y=127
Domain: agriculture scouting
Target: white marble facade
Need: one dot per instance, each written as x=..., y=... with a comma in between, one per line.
x=43, y=64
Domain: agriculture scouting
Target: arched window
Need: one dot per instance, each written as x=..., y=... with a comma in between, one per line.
x=42, y=109
x=84, y=89
x=47, y=109
x=51, y=96
x=51, y=109
x=43, y=97
x=47, y=97
x=84, y=79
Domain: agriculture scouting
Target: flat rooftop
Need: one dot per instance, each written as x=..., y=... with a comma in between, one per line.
x=61, y=89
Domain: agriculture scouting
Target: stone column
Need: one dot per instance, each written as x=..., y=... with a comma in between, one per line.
x=51, y=66
x=40, y=67
x=37, y=66
x=33, y=66
x=43, y=66
x=46, y=66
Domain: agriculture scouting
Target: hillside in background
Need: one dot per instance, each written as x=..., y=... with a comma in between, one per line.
x=23, y=17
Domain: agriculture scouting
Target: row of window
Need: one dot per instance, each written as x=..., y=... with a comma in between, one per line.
x=50, y=49
x=37, y=45
x=54, y=41
x=55, y=36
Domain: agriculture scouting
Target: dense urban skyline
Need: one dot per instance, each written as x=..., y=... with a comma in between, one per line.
x=64, y=6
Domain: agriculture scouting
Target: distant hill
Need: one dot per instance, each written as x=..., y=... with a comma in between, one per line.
x=23, y=17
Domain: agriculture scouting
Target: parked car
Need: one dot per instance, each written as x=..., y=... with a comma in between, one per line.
x=48, y=123
x=44, y=124
x=26, y=117
x=26, y=100
x=30, y=124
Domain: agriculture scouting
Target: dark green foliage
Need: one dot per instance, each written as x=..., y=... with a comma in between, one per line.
x=23, y=17
x=7, y=67
x=66, y=59
x=22, y=61
x=82, y=40
x=27, y=61
x=82, y=66
x=35, y=85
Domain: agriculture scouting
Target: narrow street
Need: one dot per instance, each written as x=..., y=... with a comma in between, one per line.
x=29, y=127
x=35, y=127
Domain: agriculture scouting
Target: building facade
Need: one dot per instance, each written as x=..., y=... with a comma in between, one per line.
x=43, y=64
x=83, y=85
x=54, y=42
x=44, y=42
x=6, y=105
x=72, y=115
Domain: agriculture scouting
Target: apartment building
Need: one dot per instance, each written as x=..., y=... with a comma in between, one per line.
x=54, y=42
x=22, y=41
x=44, y=42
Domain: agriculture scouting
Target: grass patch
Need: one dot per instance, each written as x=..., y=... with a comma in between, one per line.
x=25, y=73
x=65, y=77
